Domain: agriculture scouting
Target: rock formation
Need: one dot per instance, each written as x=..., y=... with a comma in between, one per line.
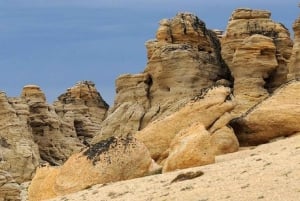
x=19, y=155
x=34, y=132
x=82, y=107
x=110, y=160
x=9, y=188
x=277, y=116
x=207, y=110
x=294, y=65
x=183, y=59
x=56, y=139
x=253, y=43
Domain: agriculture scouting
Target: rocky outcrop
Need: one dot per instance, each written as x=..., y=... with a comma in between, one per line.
x=207, y=110
x=183, y=59
x=277, y=116
x=19, y=154
x=110, y=160
x=255, y=43
x=294, y=64
x=9, y=188
x=56, y=139
x=82, y=107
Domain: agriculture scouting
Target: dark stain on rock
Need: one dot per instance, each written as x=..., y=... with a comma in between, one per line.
x=100, y=148
x=187, y=176
x=4, y=143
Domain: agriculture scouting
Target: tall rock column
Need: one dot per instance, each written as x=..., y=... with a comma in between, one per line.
x=19, y=155
x=256, y=50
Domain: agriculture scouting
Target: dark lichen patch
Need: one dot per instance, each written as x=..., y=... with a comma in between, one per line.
x=187, y=176
x=100, y=148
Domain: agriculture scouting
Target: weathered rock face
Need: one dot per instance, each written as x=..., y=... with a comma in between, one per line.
x=276, y=116
x=212, y=104
x=252, y=63
x=111, y=160
x=244, y=52
x=56, y=139
x=294, y=65
x=83, y=108
x=184, y=58
x=9, y=188
x=19, y=154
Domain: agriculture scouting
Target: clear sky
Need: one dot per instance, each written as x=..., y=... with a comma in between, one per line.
x=55, y=43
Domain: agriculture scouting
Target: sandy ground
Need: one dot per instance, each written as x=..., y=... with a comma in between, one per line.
x=266, y=172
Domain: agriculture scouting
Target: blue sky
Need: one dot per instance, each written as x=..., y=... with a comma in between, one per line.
x=55, y=43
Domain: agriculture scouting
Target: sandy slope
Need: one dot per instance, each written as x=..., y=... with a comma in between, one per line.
x=267, y=172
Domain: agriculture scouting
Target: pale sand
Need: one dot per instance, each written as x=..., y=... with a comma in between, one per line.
x=266, y=172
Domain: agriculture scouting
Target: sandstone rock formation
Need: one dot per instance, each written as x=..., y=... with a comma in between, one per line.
x=19, y=154
x=190, y=148
x=82, y=107
x=183, y=59
x=56, y=139
x=276, y=116
x=266, y=55
x=207, y=109
x=9, y=188
x=294, y=64
x=32, y=132
x=110, y=160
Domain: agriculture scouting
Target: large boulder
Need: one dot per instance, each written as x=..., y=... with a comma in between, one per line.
x=277, y=116
x=184, y=58
x=189, y=148
x=110, y=160
x=256, y=50
x=207, y=108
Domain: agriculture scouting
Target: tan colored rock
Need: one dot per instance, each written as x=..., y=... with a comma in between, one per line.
x=266, y=172
x=57, y=140
x=9, y=188
x=243, y=24
x=111, y=160
x=224, y=141
x=252, y=64
x=190, y=148
x=19, y=154
x=276, y=116
x=184, y=58
x=82, y=107
x=212, y=104
x=294, y=64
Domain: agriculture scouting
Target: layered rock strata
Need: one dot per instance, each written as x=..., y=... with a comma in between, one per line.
x=19, y=154
x=83, y=108
x=294, y=64
x=184, y=58
x=267, y=54
x=9, y=188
